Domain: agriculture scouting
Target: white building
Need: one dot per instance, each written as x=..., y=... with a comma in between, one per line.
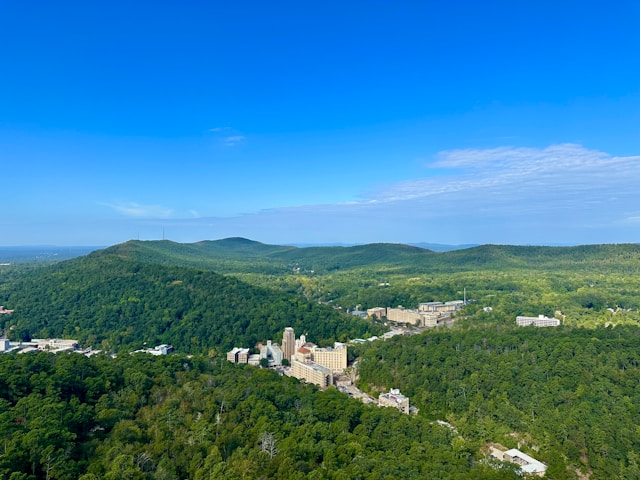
x=539, y=321
x=527, y=464
x=272, y=352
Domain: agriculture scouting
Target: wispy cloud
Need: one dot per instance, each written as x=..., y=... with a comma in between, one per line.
x=228, y=136
x=559, y=194
x=233, y=140
x=564, y=172
x=133, y=209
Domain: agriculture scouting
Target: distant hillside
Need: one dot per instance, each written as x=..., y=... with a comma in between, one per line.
x=441, y=247
x=106, y=300
x=238, y=255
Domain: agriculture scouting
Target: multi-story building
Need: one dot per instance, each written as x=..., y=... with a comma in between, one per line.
x=430, y=306
x=312, y=372
x=403, y=315
x=424, y=318
x=238, y=355
x=288, y=343
x=539, y=321
x=333, y=358
x=394, y=399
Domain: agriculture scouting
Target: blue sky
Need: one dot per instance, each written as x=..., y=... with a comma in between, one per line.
x=512, y=122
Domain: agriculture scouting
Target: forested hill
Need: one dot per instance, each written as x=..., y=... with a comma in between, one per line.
x=240, y=255
x=112, y=302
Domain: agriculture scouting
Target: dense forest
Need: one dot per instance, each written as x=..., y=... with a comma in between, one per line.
x=144, y=417
x=570, y=394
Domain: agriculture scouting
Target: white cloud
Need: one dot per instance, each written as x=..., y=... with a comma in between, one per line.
x=233, y=140
x=564, y=172
x=229, y=137
x=133, y=209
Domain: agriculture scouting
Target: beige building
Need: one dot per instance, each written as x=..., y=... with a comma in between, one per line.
x=333, y=358
x=377, y=312
x=394, y=399
x=414, y=317
x=403, y=315
x=312, y=372
x=288, y=343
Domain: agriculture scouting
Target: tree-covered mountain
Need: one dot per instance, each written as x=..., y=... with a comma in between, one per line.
x=242, y=255
x=108, y=301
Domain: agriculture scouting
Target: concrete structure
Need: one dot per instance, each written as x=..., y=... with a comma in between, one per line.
x=312, y=372
x=377, y=312
x=5, y=345
x=5, y=311
x=539, y=321
x=288, y=343
x=238, y=355
x=527, y=464
x=394, y=399
x=272, y=352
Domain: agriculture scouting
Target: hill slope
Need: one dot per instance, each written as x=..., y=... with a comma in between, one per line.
x=103, y=299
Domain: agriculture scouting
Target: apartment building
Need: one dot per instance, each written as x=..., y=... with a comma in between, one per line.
x=238, y=355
